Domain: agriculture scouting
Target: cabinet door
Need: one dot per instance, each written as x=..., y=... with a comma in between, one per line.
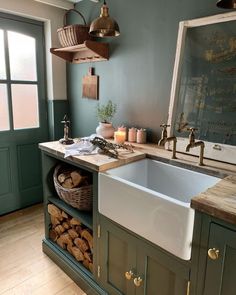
x=117, y=256
x=221, y=272
x=162, y=274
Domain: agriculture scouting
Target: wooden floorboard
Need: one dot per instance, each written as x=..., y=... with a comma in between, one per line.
x=24, y=268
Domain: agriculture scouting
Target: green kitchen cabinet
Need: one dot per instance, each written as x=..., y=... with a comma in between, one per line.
x=82, y=276
x=215, y=272
x=221, y=262
x=130, y=265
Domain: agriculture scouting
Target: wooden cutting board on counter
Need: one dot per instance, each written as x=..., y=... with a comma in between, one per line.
x=90, y=85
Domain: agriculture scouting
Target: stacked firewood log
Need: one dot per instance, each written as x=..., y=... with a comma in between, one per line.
x=70, y=234
x=71, y=178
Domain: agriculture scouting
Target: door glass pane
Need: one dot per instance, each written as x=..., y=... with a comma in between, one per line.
x=22, y=54
x=4, y=113
x=25, y=106
x=2, y=57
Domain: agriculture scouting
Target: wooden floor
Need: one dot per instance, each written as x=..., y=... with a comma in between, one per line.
x=24, y=268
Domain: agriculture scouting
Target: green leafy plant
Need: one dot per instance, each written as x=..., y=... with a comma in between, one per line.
x=106, y=112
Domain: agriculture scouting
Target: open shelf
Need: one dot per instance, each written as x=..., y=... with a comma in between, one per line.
x=80, y=275
x=85, y=217
x=89, y=51
x=68, y=256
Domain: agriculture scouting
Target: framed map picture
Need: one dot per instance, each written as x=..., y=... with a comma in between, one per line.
x=203, y=93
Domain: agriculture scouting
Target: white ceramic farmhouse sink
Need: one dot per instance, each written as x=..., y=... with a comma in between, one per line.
x=152, y=199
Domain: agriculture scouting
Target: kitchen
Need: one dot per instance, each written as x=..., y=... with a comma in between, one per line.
x=137, y=77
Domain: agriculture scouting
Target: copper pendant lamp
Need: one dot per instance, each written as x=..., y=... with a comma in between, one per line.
x=228, y=4
x=104, y=25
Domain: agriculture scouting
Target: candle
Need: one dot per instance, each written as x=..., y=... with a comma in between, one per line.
x=132, y=134
x=119, y=137
x=141, y=136
x=123, y=128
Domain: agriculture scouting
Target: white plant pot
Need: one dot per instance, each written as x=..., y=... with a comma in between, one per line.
x=106, y=130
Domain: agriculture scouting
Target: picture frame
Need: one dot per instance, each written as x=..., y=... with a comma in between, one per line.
x=203, y=91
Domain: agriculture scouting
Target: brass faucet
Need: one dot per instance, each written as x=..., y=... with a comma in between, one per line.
x=165, y=138
x=193, y=144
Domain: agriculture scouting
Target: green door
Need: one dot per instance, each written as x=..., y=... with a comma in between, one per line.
x=221, y=271
x=161, y=274
x=117, y=256
x=23, y=112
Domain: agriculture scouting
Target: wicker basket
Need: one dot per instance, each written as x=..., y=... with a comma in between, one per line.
x=80, y=198
x=73, y=34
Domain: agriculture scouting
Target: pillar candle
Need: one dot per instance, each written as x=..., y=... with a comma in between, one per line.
x=123, y=128
x=132, y=134
x=119, y=137
x=141, y=136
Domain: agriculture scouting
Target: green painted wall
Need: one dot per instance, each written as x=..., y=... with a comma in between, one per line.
x=138, y=75
x=56, y=111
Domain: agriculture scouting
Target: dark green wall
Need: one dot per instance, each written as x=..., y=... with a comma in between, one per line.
x=138, y=75
x=56, y=111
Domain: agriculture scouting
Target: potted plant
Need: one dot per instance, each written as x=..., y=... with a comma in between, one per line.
x=105, y=113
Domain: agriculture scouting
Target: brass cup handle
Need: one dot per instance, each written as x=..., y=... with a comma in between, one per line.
x=129, y=275
x=138, y=281
x=213, y=253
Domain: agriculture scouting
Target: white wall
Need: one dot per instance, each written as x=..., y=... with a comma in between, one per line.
x=53, y=18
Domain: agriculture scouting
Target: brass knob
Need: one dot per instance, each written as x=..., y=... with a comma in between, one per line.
x=138, y=281
x=213, y=253
x=129, y=275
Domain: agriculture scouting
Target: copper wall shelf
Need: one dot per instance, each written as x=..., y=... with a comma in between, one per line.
x=89, y=51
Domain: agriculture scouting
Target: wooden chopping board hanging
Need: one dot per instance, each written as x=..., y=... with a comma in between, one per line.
x=90, y=85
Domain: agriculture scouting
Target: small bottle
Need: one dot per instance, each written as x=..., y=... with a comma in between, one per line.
x=141, y=136
x=132, y=134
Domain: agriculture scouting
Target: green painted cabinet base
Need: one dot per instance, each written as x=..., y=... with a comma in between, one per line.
x=84, y=278
x=213, y=276
x=86, y=283
x=159, y=273
x=115, y=250
x=223, y=240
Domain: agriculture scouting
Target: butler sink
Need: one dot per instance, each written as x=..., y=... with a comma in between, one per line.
x=152, y=199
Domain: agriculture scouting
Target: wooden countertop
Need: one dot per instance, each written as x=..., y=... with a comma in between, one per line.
x=98, y=162
x=218, y=201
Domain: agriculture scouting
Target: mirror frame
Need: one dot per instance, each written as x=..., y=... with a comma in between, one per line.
x=216, y=151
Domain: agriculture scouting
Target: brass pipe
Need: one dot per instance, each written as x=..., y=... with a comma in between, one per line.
x=174, y=148
x=174, y=139
x=165, y=139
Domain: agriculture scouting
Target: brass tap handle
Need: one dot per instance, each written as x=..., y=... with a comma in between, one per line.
x=129, y=275
x=164, y=131
x=192, y=129
x=138, y=281
x=163, y=125
x=213, y=253
x=191, y=134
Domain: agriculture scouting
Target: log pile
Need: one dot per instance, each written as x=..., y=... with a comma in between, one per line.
x=70, y=234
x=71, y=178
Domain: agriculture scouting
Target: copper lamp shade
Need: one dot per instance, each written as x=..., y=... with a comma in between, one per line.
x=104, y=25
x=230, y=4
